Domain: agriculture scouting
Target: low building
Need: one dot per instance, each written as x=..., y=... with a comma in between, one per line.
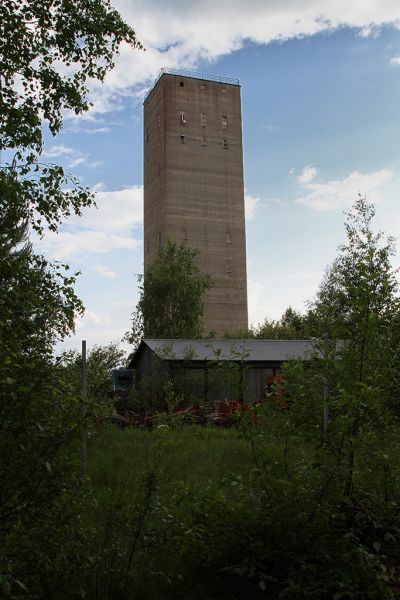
x=211, y=369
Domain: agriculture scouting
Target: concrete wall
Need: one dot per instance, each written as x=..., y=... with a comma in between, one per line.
x=193, y=186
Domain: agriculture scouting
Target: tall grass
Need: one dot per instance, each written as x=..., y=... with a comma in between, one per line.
x=210, y=513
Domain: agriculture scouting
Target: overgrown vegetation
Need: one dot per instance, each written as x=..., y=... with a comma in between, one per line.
x=302, y=503
x=48, y=51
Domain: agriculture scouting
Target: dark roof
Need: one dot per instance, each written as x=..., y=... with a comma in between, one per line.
x=233, y=350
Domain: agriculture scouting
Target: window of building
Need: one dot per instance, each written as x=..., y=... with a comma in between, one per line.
x=228, y=237
x=158, y=121
x=203, y=140
x=223, y=91
x=147, y=135
x=224, y=121
x=182, y=117
x=181, y=83
x=203, y=119
x=182, y=139
x=225, y=144
x=228, y=266
x=203, y=88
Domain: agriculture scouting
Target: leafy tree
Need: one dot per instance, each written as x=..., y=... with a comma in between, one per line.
x=360, y=289
x=291, y=326
x=358, y=301
x=171, y=296
x=48, y=52
x=100, y=362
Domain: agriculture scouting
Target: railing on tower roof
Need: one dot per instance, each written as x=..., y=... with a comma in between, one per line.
x=194, y=75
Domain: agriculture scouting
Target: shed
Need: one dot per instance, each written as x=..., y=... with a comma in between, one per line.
x=215, y=369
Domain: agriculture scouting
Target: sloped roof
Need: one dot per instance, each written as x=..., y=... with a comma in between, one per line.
x=231, y=349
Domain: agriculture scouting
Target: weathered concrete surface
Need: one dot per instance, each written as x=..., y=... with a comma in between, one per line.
x=193, y=186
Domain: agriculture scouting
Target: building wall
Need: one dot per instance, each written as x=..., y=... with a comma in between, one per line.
x=193, y=186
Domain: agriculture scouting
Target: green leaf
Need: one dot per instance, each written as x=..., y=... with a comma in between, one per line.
x=377, y=547
x=262, y=585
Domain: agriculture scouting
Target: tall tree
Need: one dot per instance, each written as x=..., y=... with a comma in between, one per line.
x=171, y=296
x=360, y=288
x=359, y=302
x=49, y=50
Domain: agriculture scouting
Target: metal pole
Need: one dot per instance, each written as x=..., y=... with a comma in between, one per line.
x=326, y=409
x=83, y=412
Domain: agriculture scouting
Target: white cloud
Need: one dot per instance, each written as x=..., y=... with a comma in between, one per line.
x=76, y=162
x=98, y=130
x=99, y=230
x=98, y=327
x=307, y=175
x=58, y=150
x=78, y=244
x=338, y=194
x=205, y=30
x=89, y=317
x=105, y=271
x=255, y=298
x=250, y=205
x=119, y=210
x=395, y=60
x=74, y=158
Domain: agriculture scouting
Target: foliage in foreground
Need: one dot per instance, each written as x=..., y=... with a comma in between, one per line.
x=48, y=52
x=195, y=513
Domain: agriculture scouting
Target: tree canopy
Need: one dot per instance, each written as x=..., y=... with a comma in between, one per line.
x=171, y=295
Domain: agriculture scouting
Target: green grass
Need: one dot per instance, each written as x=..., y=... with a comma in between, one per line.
x=215, y=526
x=192, y=455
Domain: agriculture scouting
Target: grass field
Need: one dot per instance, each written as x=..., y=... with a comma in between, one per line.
x=208, y=513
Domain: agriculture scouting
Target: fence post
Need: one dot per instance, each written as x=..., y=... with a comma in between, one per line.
x=326, y=409
x=83, y=413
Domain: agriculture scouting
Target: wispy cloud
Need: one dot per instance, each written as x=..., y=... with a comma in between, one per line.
x=307, y=175
x=338, y=194
x=250, y=205
x=395, y=60
x=96, y=130
x=71, y=157
x=105, y=271
x=58, y=150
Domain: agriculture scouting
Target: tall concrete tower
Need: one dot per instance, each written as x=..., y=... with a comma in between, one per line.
x=193, y=184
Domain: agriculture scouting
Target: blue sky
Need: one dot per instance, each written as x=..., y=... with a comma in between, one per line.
x=321, y=123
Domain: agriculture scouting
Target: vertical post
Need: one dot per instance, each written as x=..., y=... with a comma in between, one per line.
x=326, y=409
x=83, y=412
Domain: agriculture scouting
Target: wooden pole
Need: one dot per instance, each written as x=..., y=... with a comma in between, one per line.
x=83, y=413
x=326, y=409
